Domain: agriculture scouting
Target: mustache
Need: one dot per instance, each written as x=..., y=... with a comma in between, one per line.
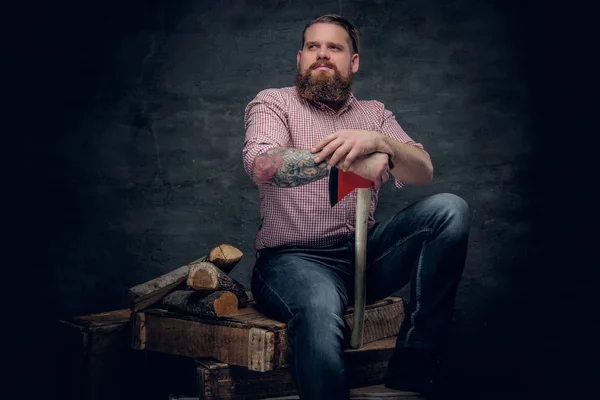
x=318, y=64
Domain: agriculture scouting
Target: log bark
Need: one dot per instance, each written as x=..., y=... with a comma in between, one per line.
x=225, y=257
x=206, y=276
x=148, y=293
x=213, y=304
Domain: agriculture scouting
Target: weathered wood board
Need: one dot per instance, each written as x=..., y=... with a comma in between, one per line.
x=247, y=339
x=94, y=355
x=217, y=380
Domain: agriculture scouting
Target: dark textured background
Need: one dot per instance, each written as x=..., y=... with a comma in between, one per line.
x=124, y=134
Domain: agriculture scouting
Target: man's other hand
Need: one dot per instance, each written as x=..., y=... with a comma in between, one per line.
x=373, y=167
x=343, y=147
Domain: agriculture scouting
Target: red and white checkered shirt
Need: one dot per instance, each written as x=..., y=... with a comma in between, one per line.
x=302, y=215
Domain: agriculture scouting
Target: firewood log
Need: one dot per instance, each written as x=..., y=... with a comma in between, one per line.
x=205, y=276
x=205, y=304
x=148, y=293
x=225, y=257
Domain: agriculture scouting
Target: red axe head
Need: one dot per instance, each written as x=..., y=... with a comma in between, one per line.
x=342, y=183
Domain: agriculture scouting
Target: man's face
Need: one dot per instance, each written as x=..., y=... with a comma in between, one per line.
x=326, y=64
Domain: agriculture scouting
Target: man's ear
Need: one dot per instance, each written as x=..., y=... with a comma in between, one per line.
x=354, y=63
x=298, y=59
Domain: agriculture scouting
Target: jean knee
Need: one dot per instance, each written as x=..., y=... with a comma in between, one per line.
x=450, y=202
x=323, y=312
x=322, y=329
x=451, y=206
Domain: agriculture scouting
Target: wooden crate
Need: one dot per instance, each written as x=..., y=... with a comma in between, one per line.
x=94, y=356
x=247, y=339
x=366, y=367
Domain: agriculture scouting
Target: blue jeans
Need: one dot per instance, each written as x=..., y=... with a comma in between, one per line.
x=424, y=244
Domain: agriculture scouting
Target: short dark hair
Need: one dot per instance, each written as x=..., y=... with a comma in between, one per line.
x=337, y=20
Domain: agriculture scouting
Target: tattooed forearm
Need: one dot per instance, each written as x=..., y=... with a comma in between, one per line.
x=287, y=168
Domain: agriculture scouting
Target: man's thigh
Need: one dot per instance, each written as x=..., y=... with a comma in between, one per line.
x=286, y=283
x=393, y=250
x=396, y=245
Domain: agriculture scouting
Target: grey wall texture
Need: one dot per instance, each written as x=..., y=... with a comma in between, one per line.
x=131, y=115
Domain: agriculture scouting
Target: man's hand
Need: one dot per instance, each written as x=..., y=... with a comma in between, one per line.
x=373, y=167
x=345, y=146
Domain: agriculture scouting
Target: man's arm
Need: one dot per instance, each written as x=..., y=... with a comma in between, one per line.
x=411, y=165
x=287, y=167
x=409, y=162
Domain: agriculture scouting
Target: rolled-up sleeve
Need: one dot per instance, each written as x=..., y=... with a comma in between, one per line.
x=266, y=126
x=391, y=128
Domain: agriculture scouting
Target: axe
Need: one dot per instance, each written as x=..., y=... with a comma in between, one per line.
x=340, y=185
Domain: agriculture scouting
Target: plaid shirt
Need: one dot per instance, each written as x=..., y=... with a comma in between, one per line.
x=302, y=216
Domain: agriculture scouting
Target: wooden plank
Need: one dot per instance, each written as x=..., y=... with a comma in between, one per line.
x=138, y=331
x=116, y=317
x=193, y=339
x=379, y=392
x=370, y=361
x=261, y=344
x=218, y=380
x=382, y=319
x=94, y=356
x=248, y=338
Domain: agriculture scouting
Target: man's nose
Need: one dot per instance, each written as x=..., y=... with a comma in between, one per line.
x=323, y=53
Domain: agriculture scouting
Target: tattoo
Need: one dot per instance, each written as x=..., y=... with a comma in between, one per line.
x=285, y=167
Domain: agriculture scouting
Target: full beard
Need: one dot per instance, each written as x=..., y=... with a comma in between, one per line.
x=323, y=87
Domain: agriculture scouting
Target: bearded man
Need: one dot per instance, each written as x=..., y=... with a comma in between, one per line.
x=303, y=274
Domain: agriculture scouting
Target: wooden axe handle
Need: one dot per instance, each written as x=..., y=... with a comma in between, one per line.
x=363, y=203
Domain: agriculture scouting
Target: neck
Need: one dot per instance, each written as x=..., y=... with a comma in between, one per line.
x=334, y=105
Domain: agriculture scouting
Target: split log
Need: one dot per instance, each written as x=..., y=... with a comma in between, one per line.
x=148, y=293
x=225, y=257
x=213, y=304
x=206, y=276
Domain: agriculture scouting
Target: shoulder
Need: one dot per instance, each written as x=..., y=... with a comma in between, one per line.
x=371, y=104
x=281, y=96
x=277, y=101
x=374, y=108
